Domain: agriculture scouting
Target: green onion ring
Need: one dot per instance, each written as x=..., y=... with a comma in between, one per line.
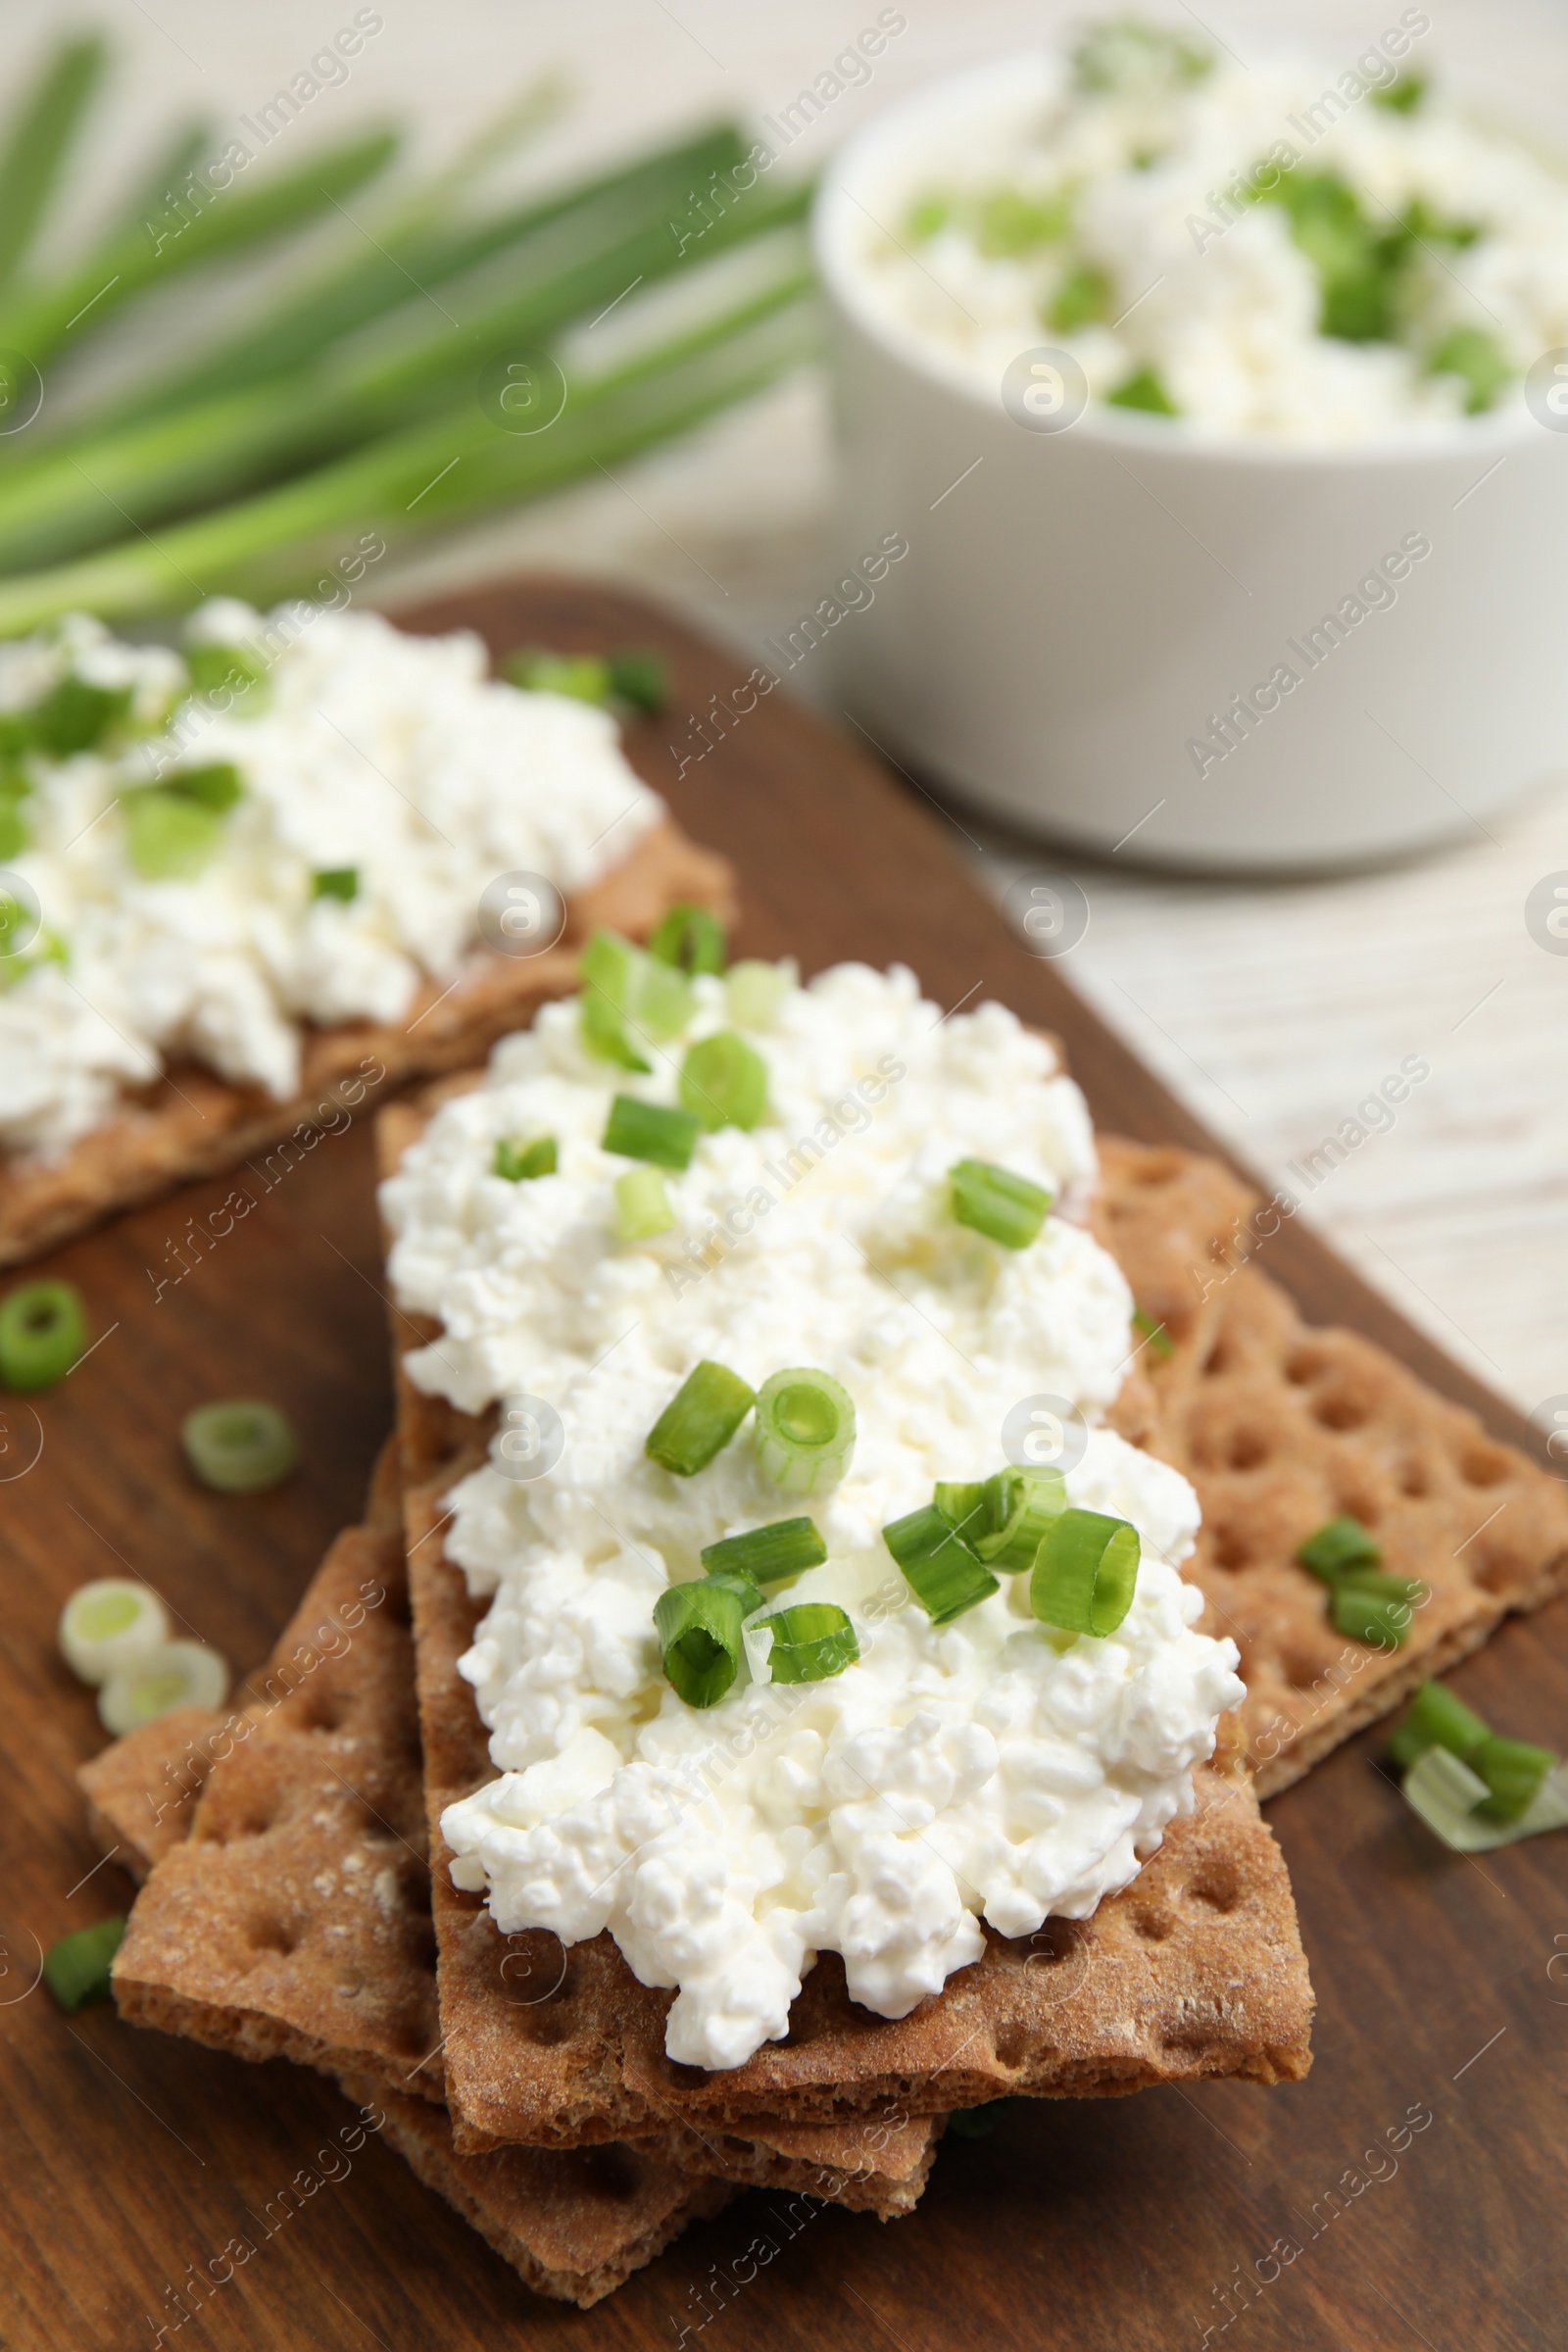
x=1007, y=1209
x=77, y=1968
x=939, y=1567
x=812, y=1642
x=43, y=1332
x=700, y=1419
x=1085, y=1573
x=699, y=1628
x=766, y=1553
x=239, y=1447
x=805, y=1429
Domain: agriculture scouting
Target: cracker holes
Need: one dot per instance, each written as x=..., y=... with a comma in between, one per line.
x=1013, y=2046
x=270, y=1934
x=1249, y=1449
x=1305, y=1365
x=322, y=1709
x=1217, y=1884
x=250, y=1820
x=1413, y=1480
x=1484, y=1466
x=1152, y=1922
x=1341, y=1409
x=1158, y=1168
x=1231, y=1550
x=1217, y=1360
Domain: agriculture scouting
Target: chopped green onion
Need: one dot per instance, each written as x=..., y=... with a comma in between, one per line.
x=1013, y=223
x=642, y=1206
x=1435, y=1718
x=520, y=1162
x=1374, y=1608
x=723, y=1082
x=766, y=1553
x=651, y=1131
x=812, y=1642
x=43, y=1330
x=238, y=1447
x=805, y=1429
x=76, y=716
x=1338, y=1547
x=698, y=1627
x=1084, y=294
x=1155, y=1334
x=927, y=215
x=691, y=938
x=1085, y=1573
x=1476, y=356
x=1513, y=1771
x=175, y=1675
x=336, y=882
x=107, y=1624
x=746, y=1588
x=641, y=677
x=1456, y=1803
x=1144, y=390
x=939, y=1567
x=212, y=666
x=1020, y=1507
x=582, y=677
x=1006, y=1208
x=170, y=838
x=216, y=786
x=626, y=993
x=700, y=1419
x=963, y=1503
x=77, y=1968
x=1404, y=95
x=754, y=991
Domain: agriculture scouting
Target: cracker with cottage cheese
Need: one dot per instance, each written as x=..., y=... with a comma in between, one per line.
x=264, y=1859
x=237, y=904
x=835, y=1895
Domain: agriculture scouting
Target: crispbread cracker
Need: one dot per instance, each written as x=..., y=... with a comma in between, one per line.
x=1282, y=1427
x=1197, y=1969
x=193, y=1123
x=181, y=1972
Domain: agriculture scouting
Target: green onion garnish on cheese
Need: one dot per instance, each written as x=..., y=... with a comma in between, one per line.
x=1007, y=1209
x=784, y=1548
x=652, y=1131
x=700, y=1419
x=812, y=1642
x=805, y=1430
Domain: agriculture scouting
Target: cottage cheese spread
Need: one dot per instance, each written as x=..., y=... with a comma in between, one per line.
x=390, y=754
x=1165, y=195
x=987, y=1769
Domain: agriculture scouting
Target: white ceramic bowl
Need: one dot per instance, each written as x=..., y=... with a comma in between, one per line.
x=1077, y=606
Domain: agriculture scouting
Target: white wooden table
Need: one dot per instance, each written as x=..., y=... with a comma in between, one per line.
x=1274, y=1012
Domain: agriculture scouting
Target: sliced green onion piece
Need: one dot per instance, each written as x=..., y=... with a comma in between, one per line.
x=177, y=1674
x=239, y=1446
x=1435, y=1718
x=1143, y=389
x=336, y=882
x=520, y=1162
x=628, y=998
x=963, y=1503
x=1085, y=1573
x=76, y=716
x=651, y=1131
x=77, y=1968
x=754, y=991
x=1021, y=1506
x=765, y=1554
x=746, y=1588
x=218, y=786
x=43, y=1330
x=642, y=1206
x=691, y=938
x=1006, y=1208
x=213, y=666
x=812, y=1642
x=1157, y=1337
x=723, y=1082
x=940, y=1569
x=641, y=677
x=107, y=1624
x=170, y=838
x=1338, y=1547
x=805, y=1429
x=1513, y=1771
x=584, y=678
x=1453, y=1801
x=1374, y=1608
x=700, y=1419
x=698, y=1627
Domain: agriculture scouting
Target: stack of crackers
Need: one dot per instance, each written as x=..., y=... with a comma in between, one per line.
x=298, y=1902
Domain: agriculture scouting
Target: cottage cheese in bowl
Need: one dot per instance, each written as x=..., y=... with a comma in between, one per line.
x=369, y=786
x=989, y=1769
x=1289, y=250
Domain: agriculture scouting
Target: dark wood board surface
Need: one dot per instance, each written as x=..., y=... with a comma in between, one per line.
x=1408, y=2190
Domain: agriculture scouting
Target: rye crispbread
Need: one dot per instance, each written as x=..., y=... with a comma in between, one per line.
x=1195, y=1970
x=1279, y=1427
x=191, y=1123
x=331, y=1759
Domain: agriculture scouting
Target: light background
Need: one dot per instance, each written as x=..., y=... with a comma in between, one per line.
x=1273, y=1011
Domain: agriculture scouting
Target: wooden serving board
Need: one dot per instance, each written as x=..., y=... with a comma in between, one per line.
x=1408, y=2194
